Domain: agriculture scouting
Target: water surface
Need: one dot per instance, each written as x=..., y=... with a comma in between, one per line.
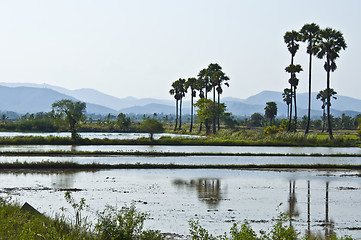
x=217, y=198
x=185, y=149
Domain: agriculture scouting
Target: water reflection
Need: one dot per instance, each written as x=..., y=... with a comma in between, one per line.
x=208, y=189
x=292, y=200
x=292, y=212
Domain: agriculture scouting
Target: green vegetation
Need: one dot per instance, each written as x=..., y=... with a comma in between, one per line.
x=151, y=126
x=16, y=223
x=74, y=112
x=222, y=138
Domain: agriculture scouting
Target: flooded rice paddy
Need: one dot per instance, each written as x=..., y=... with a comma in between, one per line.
x=189, y=160
x=320, y=201
x=183, y=149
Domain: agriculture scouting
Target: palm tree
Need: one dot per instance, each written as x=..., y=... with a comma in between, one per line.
x=174, y=91
x=331, y=43
x=192, y=84
x=182, y=93
x=215, y=73
x=322, y=95
x=219, y=78
x=204, y=82
x=287, y=98
x=293, y=69
x=310, y=33
x=291, y=39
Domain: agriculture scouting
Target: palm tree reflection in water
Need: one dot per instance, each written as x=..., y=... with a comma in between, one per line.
x=208, y=189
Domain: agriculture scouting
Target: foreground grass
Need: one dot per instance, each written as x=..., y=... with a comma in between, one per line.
x=16, y=223
x=222, y=138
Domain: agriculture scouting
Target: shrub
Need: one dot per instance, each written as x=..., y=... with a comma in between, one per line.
x=270, y=130
x=126, y=224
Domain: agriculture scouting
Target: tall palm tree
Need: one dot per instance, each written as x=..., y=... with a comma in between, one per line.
x=219, y=79
x=204, y=82
x=287, y=98
x=192, y=84
x=293, y=69
x=201, y=86
x=310, y=33
x=331, y=43
x=214, y=72
x=291, y=39
x=182, y=93
x=174, y=91
x=322, y=95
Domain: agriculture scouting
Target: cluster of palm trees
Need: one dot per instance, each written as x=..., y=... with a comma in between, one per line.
x=323, y=43
x=210, y=79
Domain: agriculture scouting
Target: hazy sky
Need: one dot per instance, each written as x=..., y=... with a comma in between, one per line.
x=139, y=47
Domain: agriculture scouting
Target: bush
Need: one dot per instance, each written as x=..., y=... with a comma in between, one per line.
x=270, y=130
x=126, y=224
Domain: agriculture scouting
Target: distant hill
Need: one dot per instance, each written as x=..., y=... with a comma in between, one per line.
x=32, y=98
x=89, y=95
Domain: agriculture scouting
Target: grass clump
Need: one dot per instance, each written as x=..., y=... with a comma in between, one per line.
x=16, y=223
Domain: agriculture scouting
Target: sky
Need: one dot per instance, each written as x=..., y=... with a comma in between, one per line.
x=139, y=47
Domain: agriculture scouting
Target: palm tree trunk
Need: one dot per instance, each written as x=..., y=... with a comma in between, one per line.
x=218, y=113
x=309, y=95
x=214, y=102
x=190, y=130
x=176, y=115
x=290, y=115
x=328, y=101
x=323, y=119
x=295, y=109
x=180, y=114
x=288, y=110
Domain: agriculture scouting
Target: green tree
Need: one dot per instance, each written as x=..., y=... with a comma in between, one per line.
x=291, y=39
x=330, y=45
x=256, y=120
x=322, y=95
x=123, y=122
x=151, y=126
x=270, y=111
x=206, y=111
x=74, y=112
x=310, y=33
x=192, y=84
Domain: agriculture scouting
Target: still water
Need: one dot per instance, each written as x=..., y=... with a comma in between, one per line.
x=320, y=201
x=185, y=149
x=190, y=160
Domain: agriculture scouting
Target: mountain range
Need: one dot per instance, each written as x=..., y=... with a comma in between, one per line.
x=31, y=98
